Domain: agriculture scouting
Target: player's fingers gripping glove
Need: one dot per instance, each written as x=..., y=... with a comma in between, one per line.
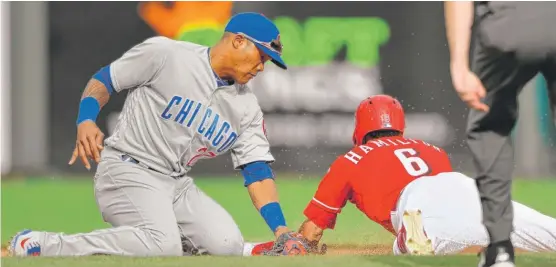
x=292, y=244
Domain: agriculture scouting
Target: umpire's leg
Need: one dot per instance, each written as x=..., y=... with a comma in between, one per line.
x=549, y=72
x=488, y=135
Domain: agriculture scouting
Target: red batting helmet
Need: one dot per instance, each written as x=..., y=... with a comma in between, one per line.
x=379, y=112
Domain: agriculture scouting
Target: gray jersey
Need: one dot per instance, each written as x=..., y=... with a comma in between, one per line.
x=176, y=114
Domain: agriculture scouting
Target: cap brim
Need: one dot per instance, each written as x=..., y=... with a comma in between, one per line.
x=275, y=57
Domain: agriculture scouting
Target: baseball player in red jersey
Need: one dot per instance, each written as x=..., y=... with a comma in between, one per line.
x=407, y=186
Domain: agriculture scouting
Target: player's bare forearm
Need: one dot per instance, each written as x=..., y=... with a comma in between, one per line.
x=458, y=16
x=262, y=193
x=97, y=90
x=310, y=231
x=89, y=136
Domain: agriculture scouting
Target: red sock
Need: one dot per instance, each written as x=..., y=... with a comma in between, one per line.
x=401, y=240
x=260, y=248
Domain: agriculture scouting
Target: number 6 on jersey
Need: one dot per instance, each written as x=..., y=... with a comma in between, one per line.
x=413, y=164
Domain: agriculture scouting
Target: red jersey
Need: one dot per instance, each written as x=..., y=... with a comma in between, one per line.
x=372, y=177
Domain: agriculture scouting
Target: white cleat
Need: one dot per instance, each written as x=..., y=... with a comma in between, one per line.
x=500, y=263
x=416, y=240
x=25, y=243
x=502, y=259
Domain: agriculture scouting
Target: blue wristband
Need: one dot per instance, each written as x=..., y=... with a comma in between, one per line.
x=273, y=216
x=88, y=109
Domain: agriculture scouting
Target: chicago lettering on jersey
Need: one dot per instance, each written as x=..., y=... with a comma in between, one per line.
x=212, y=127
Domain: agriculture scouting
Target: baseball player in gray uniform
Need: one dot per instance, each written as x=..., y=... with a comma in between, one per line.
x=186, y=102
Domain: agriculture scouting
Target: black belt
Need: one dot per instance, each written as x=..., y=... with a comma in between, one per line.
x=128, y=158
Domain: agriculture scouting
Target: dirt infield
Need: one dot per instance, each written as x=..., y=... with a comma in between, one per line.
x=385, y=249
x=376, y=249
x=331, y=250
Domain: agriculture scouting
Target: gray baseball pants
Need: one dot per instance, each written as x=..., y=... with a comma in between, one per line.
x=513, y=42
x=151, y=214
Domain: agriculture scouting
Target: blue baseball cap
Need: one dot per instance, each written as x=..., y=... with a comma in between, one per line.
x=261, y=31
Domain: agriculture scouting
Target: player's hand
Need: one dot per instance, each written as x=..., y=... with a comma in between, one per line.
x=469, y=87
x=88, y=144
x=281, y=230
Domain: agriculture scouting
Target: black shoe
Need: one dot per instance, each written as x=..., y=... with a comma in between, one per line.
x=500, y=254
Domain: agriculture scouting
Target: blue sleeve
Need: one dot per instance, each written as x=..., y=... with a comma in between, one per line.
x=103, y=76
x=256, y=171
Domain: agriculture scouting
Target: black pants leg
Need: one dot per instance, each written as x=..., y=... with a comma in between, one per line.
x=489, y=135
x=549, y=72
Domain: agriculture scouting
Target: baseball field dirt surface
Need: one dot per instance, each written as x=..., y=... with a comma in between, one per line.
x=68, y=205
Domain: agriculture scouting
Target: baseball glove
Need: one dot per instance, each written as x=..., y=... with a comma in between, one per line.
x=292, y=244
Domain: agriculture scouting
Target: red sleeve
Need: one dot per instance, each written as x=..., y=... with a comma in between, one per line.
x=331, y=196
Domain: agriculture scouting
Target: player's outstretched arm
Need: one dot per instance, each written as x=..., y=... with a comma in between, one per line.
x=331, y=196
x=321, y=212
x=251, y=154
x=264, y=196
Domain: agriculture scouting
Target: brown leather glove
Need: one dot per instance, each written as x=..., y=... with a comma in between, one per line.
x=292, y=244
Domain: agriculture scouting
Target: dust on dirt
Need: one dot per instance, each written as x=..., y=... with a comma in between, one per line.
x=375, y=249
x=386, y=249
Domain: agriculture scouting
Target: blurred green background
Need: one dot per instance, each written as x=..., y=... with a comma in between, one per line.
x=68, y=205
